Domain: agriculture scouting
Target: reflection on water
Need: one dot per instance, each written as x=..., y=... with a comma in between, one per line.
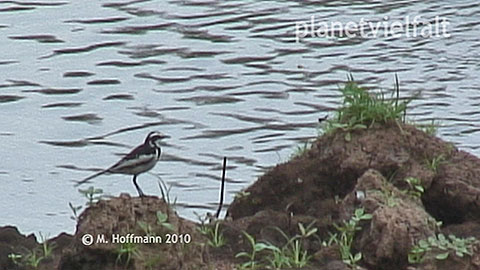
x=81, y=82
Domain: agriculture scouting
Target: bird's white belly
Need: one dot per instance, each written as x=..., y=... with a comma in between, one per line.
x=144, y=167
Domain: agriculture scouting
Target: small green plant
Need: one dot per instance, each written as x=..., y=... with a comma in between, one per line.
x=347, y=127
x=165, y=191
x=126, y=251
x=389, y=197
x=442, y=246
x=332, y=239
x=299, y=256
x=251, y=264
x=450, y=147
x=33, y=257
x=75, y=210
x=46, y=248
x=415, y=188
x=278, y=259
x=242, y=194
x=16, y=258
x=301, y=149
x=213, y=233
x=203, y=228
x=346, y=236
x=293, y=250
x=362, y=109
x=433, y=223
x=33, y=260
x=92, y=194
x=215, y=236
x=162, y=219
x=292, y=254
x=429, y=128
x=435, y=162
x=306, y=232
x=146, y=228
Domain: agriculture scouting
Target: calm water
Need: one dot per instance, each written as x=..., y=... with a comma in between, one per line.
x=82, y=82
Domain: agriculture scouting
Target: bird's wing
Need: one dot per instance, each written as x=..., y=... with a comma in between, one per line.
x=137, y=157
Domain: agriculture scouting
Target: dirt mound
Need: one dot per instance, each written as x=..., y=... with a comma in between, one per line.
x=397, y=221
x=12, y=242
x=124, y=233
x=19, y=252
x=135, y=233
x=335, y=177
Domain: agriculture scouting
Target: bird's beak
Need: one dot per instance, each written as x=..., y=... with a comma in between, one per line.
x=163, y=136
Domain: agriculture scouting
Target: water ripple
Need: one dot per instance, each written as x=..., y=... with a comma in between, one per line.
x=55, y=91
x=88, y=48
x=39, y=38
x=9, y=98
x=89, y=118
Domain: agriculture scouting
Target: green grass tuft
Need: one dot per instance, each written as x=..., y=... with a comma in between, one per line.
x=442, y=246
x=362, y=109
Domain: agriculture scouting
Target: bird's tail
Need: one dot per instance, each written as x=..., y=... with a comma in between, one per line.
x=91, y=177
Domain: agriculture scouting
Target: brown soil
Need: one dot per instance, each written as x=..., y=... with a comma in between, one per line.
x=121, y=216
x=322, y=187
x=323, y=184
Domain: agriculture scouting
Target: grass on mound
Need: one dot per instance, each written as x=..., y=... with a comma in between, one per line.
x=361, y=109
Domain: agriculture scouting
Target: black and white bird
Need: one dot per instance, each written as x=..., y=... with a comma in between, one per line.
x=141, y=159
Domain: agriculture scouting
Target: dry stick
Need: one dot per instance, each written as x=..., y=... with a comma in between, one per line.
x=397, y=89
x=222, y=189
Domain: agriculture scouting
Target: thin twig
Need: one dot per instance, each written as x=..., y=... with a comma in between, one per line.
x=397, y=88
x=222, y=189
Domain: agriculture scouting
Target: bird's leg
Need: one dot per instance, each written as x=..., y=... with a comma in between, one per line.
x=140, y=192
